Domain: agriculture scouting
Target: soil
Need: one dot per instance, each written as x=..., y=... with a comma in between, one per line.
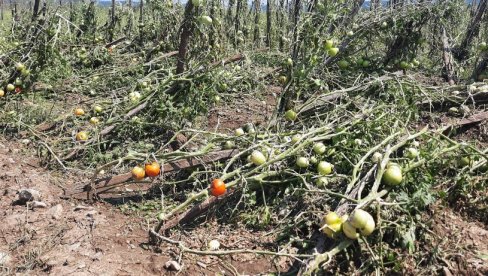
x=81, y=238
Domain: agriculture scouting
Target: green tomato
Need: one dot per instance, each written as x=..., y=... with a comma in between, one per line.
x=239, y=132
x=324, y=168
x=302, y=162
x=328, y=44
x=295, y=138
x=332, y=218
x=289, y=62
x=10, y=87
x=319, y=148
x=333, y=52
x=393, y=175
x=359, y=218
x=229, y=145
x=19, y=66
x=291, y=115
x=411, y=153
x=321, y=182
x=258, y=158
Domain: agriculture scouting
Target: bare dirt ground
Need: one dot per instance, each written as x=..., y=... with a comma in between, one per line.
x=77, y=238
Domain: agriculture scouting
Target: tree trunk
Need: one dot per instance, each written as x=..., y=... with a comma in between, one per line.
x=447, y=58
x=130, y=4
x=186, y=30
x=268, y=23
x=113, y=13
x=141, y=20
x=472, y=31
x=257, y=11
x=1, y=10
x=36, y=9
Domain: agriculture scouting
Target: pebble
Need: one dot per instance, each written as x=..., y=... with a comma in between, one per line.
x=38, y=204
x=25, y=195
x=4, y=258
x=172, y=265
x=56, y=211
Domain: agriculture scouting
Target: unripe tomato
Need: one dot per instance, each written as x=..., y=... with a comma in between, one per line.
x=229, y=145
x=333, y=51
x=319, y=148
x=325, y=168
x=10, y=87
x=332, y=230
x=79, y=112
x=295, y=138
x=328, y=44
x=239, y=132
x=18, y=82
x=411, y=153
x=290, y=115
x=258, y=158
x=332, y=218
x=404, y=65
x=282, y=79
x=321, y=182
x=97, y=109
x=289, y=62
x=349, y=231
x=464, y=161
x=138, y=173
x=368, y=228
x=94, y=120
x=82, y=136
x=25, y=73
x=350, y=33
x=302, y=162
x=359, y=218
x=313, y=160
x=152, y=169
x=384, y=24
x=19, y=66
x=217, y=188
x=393, y=175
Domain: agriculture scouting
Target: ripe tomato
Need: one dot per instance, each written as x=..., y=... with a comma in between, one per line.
x=138, y=173
x=152, y=169
x=79, y=112
x=218, y=187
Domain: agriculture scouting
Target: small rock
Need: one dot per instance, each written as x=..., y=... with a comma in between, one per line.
x=38, y=204
x=11, y=160
x=56, y=211
x=25, y=195
x=4, y=258
x=97, y=256
x=81, y=207
x=172, y=265
x=25, y=141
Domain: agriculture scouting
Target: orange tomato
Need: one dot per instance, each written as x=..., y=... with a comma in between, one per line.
x=152, y=169
x=79, y=112
x=138, y=173
x=218, y=187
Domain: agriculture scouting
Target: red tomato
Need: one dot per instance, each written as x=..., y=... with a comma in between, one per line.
x=18, y=90
x=218, y=187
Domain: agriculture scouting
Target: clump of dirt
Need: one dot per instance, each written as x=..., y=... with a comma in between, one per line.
x=460, y=244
